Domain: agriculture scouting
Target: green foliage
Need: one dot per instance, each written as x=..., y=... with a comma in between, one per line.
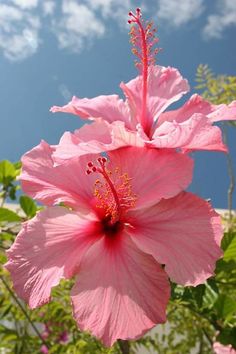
x=230, y=250
x=8, y=173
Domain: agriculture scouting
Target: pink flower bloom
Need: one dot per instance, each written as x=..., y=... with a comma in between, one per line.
x=142, y=119
x=223, y=349
x=123, y=219
x=44, y=349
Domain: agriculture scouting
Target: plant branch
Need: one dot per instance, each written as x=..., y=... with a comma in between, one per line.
x=124, y=346
x=207, y=336
x=231, y=176
x=2, y=201
x=24, y=311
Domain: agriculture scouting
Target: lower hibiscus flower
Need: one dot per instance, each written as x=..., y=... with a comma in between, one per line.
x=125, y=229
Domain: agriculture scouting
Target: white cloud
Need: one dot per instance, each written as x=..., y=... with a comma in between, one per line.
x=218, y=22
x=25, y=4
x=116, y=9
x=179, y=12
x=77, y=24
x=48, y=7
x=18, y=32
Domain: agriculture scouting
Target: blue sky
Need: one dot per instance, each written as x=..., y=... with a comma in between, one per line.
x=53, y=49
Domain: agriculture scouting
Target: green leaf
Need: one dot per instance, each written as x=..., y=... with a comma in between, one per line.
x=8, y=215
x=28, y=205
x=227, y=239
x=6, y=311
x=225, y=307
x=230, y=253
x=226, y=267
x=210, y=294
x=7, y=172
x=17, y=166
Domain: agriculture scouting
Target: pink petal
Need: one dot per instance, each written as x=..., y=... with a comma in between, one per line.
x=49, y=248
x=223, y=349
x=197, y=104
x=183, y=233
x=51, y=185
x=154, y=173
x=196, y=133
x=97, y=137
x=121, y=292
x=165, y=86
x=223, y=112
x=109, y=108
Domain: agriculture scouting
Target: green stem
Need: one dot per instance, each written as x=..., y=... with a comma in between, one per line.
x=2, y=202
x=24, y=311
x=231, y=176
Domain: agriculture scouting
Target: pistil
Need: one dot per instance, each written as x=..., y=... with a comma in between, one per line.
x=143, y=41
x=115, y=195
x=102, y=170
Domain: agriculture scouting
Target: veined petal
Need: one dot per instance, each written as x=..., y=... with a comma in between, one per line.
x=196, y=133
x=223, y=112
x=153, y=173
x=121, y=292
x=67, y=183
x=165, y=86
x=183, y=233
x=110, y=108
x=197, y=104
x=49, y=248
x=97, y=137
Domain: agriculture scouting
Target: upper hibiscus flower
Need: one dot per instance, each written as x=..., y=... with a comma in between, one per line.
x=125, y=216
x=142, y=119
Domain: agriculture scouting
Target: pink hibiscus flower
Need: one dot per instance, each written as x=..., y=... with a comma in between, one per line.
x=142, y=119
x=223, y=349
x=125, y=218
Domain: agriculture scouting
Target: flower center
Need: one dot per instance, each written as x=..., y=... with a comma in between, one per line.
x=143, y=39
x=113, y=194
